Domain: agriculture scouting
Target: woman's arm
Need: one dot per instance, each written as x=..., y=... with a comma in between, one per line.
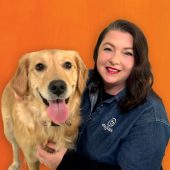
x=144, y=147
x=73, y=161
x=69, y=160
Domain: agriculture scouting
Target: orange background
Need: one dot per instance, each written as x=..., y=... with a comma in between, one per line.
x=29, y=25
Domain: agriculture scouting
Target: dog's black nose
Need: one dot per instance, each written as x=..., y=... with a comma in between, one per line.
x=57, y=87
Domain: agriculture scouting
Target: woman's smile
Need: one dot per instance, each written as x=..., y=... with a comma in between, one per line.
x=112, y=70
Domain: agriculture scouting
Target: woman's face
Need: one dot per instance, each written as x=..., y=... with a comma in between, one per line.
x=115, y=60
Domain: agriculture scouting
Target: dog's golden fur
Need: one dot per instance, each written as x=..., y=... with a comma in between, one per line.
x=25, y=119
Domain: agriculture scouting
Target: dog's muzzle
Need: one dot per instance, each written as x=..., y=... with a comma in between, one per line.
x=57, y=108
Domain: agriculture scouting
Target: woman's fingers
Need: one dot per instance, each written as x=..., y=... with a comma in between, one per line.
x=51, y=145
x=40, y=152
x=51, y=160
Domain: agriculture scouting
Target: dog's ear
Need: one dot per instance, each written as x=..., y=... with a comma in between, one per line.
x=82, y=73
x=19, y=82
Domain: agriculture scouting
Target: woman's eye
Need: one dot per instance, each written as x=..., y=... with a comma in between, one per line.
x=107, y=49
x=128, y=53
x=67, y=65
x=40, y=67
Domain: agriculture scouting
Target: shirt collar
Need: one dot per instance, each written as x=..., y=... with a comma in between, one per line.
x=93, y=87
x=120, y=95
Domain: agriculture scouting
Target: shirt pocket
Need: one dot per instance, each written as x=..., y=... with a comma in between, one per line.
x=101, y=137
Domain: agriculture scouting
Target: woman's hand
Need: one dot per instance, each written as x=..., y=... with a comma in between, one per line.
x=50, y=159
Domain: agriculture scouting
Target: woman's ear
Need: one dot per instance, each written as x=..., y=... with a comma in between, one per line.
x=19, y=82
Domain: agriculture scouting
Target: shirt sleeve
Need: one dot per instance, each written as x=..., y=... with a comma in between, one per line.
x=144, y=147
x=73, y=161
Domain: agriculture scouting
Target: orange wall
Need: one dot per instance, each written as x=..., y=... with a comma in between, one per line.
x=29, y=25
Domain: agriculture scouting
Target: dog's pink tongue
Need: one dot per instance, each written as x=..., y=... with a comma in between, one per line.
x=58, y=112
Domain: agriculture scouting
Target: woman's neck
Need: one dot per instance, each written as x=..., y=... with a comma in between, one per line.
x=113, y=90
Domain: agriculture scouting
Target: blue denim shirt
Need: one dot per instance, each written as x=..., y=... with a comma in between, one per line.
x=134, y=141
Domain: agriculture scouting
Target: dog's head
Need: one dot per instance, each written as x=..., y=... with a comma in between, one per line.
x=52, y=76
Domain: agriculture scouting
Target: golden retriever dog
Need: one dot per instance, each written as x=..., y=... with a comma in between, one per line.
x=41, y=103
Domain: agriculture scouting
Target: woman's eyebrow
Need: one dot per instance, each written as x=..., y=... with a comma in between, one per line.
x=108, y=43
x=126, y=48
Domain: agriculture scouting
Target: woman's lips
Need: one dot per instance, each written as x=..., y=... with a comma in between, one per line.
x=112, y=70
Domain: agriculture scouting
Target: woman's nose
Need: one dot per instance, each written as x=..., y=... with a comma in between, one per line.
x=115, y=59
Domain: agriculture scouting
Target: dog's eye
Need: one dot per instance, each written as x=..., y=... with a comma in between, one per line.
x=67, y=65
x=39, y=67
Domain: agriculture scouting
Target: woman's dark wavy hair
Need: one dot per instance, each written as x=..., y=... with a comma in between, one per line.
x=140, y=81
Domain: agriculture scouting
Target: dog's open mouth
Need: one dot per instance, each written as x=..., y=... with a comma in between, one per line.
x=57, y=109
x=46, y=102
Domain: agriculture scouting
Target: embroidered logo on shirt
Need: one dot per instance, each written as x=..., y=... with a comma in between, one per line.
x=109, y=124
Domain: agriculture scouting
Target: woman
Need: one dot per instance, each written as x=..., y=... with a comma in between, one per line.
x=125, y=125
